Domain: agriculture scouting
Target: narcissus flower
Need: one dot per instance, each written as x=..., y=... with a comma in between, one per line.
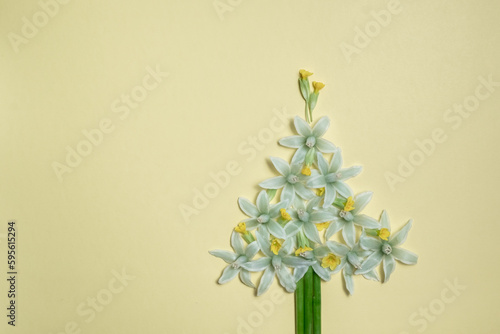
x=345, y=220
x=241, y=228
x=305, y=217
x=332, y=176
x=330, y=261
x=384, y=234
x=240, y=256
x=309, y=140
x=275, y=264
x=291, y=180
x=318, y=86
x=317, y=256
x=387, y=251
x=304, y=74
x=263, y=215
x=351, y=257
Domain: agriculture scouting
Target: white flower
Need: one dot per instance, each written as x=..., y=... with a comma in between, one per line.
x=387, y=250
x=275, y=264
x=291, y=180
x=263, y=215
x=240, y=256
x=309, y=141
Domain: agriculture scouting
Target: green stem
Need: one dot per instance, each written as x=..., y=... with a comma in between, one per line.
x=317, y=303
x=308, y=119
x=299, y=307
x=308, y=300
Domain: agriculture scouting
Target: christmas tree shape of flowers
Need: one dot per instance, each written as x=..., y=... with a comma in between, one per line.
x=314, y=199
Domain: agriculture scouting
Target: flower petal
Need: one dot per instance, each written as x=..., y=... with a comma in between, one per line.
x=300, y=155
x=361, y=200
x=321, y=251
x=325, y=146
x=399, y=237
x=276, y=229
x=296, y=261
x=302, y=127
x=350, y=172
x=321, y=216
x=227, y=256
x=372, y=275
x=349, y=234
x=248, y=208
x=365, y=221
x=286, y=248
x=343, y=262
x=245, y=278
x=263, y=202
x=257, y=265
x=266, y=280
x=311, y=232
x=251, y=223
x=286, y=279
x=322, y=164
x=237, y=243
x=292, y=141
x=252, y=249
x=228, y=274
x=323, y=273
x=292, y=228
x=303, y=191
x=334, y=228
x=273, y=183
x=299, y=272
x=313, y=204
x=330, y=193
x=265, y=245
x=343, y=189
x=336, y=162
x=389, y=266
x=288, y=193
x=316, y=182
x=274, y=210
x=349, y=284
x=281, y=166
x=370, y=263
x=404, y=256
x=384, y=220
x=321, y=126
x=337, y=248
x=370, y=243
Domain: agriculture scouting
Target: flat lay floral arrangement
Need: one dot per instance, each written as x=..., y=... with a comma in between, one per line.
x=310, y=197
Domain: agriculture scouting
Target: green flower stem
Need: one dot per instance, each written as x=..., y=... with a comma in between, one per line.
x=248, y=237
x=308, y=300
x=299, y=307
x=317, y=303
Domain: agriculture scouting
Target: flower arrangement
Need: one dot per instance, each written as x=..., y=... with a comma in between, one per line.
x=314, y=199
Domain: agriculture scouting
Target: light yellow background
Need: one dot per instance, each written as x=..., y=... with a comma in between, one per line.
x=229, y=74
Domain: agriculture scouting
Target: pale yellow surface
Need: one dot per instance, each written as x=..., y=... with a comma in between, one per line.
x=120, y=207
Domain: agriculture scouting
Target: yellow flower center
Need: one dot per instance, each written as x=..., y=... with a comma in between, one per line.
x=304, y=74
x=302, y=250
x=318, y=86
x=320, y=191
x=330, y=261
x=306, y=170
x=241, y=228
x=275, y=245
x=349, y=204
x=285, y=215
x=384, y=234
x=322, y=226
